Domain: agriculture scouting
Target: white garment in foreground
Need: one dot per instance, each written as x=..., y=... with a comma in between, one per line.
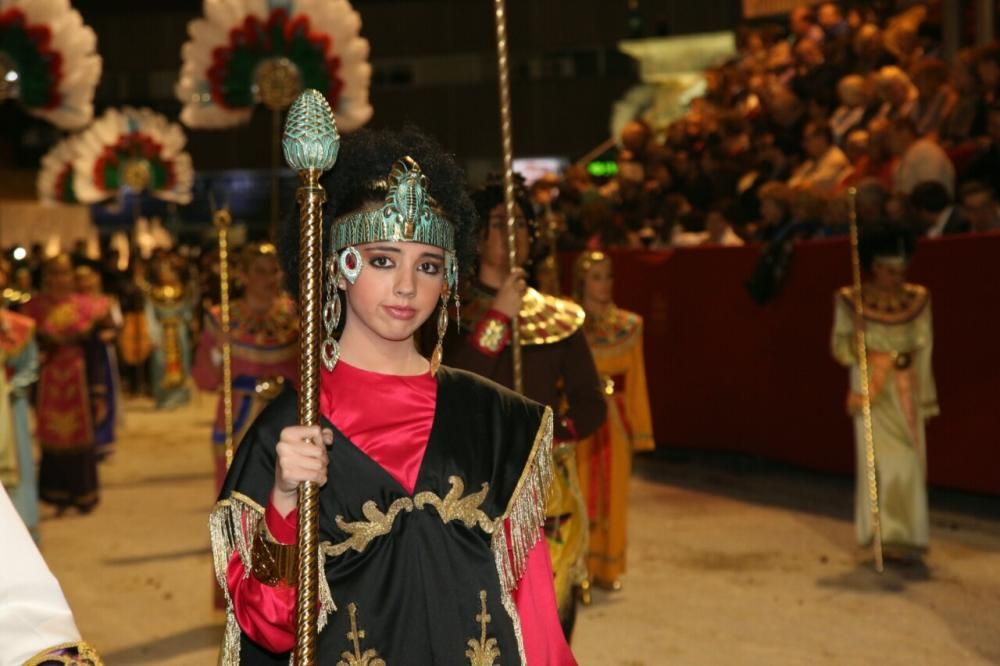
x=34, y=615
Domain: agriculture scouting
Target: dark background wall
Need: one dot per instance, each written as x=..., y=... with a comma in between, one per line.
x=434, y=65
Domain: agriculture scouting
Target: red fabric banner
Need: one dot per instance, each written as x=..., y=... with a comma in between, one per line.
x=725, y=374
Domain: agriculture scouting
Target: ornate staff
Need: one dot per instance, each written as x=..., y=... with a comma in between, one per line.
x=503, y=66
x=866, y=397
x=223, y=220
x=310, y=144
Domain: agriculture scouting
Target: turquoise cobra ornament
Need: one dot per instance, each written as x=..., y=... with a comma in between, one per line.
x=311, y=144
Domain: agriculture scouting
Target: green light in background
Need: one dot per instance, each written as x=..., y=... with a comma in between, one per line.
x=602, y=168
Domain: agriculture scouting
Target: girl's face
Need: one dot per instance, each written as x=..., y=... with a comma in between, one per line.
x=598, y=285
x=263, y=277
x=397, y=289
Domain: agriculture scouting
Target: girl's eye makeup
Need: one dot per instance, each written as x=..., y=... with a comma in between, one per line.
x=430, y=267
x=380, y=261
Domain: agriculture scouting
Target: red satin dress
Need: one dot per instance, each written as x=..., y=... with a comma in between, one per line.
x=389, y=418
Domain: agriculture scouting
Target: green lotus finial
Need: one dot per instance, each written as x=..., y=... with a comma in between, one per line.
x=311, y=140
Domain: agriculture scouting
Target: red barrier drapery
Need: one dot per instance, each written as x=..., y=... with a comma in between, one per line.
x=726, y=374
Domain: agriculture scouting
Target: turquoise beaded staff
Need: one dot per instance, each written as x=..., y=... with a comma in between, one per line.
x=310, y=145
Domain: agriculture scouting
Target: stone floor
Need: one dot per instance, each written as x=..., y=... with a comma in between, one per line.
x=729, y=564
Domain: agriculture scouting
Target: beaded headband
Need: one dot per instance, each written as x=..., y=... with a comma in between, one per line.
x=409, y=214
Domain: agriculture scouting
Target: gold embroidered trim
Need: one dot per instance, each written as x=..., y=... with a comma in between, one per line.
x=85, y=655
x=364, y=531
x=367, y=658
x=493, y=335
x=456, y=507
x=483, y=652
x=452, y=507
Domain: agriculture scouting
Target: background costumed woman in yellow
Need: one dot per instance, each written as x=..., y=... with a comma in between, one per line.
x=605, y=459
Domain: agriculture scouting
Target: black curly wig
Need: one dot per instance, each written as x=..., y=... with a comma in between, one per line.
x=490, y=195
x=885, y=240
x=360, y=177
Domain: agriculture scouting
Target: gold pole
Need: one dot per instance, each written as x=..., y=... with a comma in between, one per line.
x=866, y=397
x=310, y=144
x=503, y=66
x=223, y=220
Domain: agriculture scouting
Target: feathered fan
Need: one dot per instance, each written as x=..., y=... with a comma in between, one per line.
x=136, y=149
x=247, y=51
x=48, y=61
x=56, y=177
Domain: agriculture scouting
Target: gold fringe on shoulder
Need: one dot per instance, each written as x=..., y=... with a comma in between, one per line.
x=518, y=529
x=232, y=524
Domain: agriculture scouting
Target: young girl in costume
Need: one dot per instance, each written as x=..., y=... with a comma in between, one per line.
x=433, y=481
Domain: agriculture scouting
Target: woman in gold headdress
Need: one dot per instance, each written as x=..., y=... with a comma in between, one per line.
x=264, y=337
x=605, y=459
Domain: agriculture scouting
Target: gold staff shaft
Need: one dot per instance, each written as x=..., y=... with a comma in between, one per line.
x=222, y=222
x=503, y=67
x=311, y=197
x=866, y=397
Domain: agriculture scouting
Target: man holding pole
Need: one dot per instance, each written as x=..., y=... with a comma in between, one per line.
x=558, y=370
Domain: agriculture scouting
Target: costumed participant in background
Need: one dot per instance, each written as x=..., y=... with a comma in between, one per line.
x=264, y=337
x=605, y=458
x=432, y=481
x=898, y=332
x=36, y=624
x=135, y=343
x=65, y=405
x=103, y=357
x=558, y=371
x=18, y=371
x=168, y=312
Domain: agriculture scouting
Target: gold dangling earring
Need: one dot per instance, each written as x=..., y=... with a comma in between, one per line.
x=442, y=328
x=330, y=348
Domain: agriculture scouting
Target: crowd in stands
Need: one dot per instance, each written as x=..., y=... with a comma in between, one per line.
x=835, y=100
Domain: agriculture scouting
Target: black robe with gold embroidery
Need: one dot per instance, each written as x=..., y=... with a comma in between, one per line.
x=414, y=572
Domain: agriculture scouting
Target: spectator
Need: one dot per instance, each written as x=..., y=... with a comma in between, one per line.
x=936, y=215
x=836, y=217
x=897, y=93
x=718, y=227
x=826, y=165
x=936, y=98
x=869, y=202
x=920, y=159
x=815, y=79
x=870, y=54
x=857, y=149
x=960, y=123
x=985, y=165
x=775, y=211
x=979, y=205
x=854, y=110
x=988, y=72
x=802, y=22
